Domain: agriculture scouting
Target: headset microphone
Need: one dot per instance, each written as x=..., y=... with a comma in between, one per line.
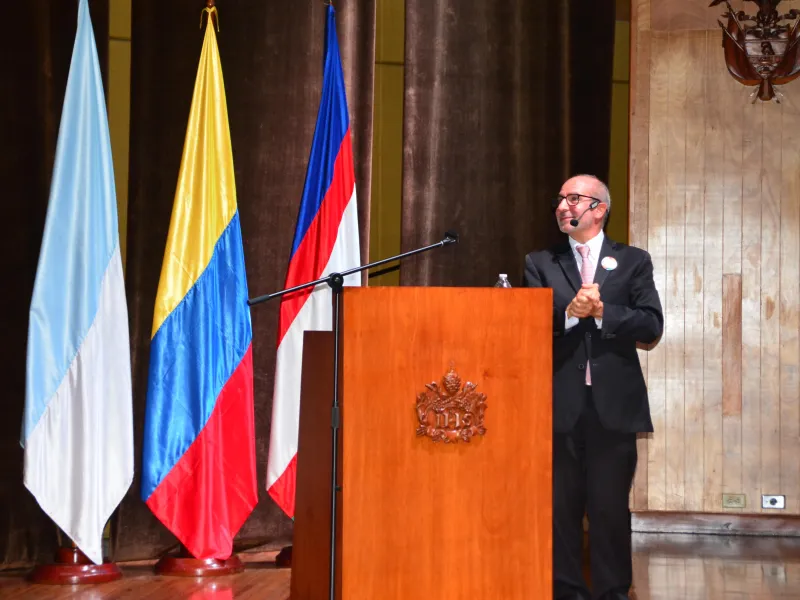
x=574, y=222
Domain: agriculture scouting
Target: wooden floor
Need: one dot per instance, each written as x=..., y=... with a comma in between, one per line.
x=666, y=567
x=693, y=567
x=260, y=581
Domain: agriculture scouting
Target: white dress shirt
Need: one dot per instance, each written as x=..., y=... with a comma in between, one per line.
x=595, y=245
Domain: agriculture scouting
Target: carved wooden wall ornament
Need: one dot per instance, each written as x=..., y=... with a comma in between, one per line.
x=450, y=413
x=761, y=50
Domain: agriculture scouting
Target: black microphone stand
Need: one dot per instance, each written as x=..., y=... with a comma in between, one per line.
x=336, y=282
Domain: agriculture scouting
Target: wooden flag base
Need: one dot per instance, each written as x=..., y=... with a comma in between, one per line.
x=72, y=567
x=186, y=565
x=284, y=558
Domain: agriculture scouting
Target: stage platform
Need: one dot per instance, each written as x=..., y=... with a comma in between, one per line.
x=666, y=567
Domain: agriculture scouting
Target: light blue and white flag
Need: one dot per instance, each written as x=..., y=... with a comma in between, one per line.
x=77, y=431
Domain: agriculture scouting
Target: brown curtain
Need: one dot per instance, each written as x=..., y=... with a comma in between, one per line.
x=272, y=64
x=489, y=133
x=591, y=68
x=35, y=54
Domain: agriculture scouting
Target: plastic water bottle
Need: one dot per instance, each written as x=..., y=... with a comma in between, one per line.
x=502, y=281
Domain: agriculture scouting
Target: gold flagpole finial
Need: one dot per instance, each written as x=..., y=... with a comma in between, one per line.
x=211, y=9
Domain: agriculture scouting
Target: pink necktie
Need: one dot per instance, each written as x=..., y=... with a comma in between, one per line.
x=587, y=276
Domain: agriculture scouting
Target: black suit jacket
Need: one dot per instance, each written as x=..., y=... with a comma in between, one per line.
x=631, y=313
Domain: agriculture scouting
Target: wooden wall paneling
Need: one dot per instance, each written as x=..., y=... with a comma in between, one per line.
x=660, y=15
x=752, y=144
x=732, y=101
x=675, y=226
x=641, y=15
x=693, y=432
x=692, y=15
x=789, y=299
x=712, y=281
x=686, y=15
x=714, y=184
x=639, y=134
x=732, y=355
x=638, y=190
x=770, y=293
x=657, y=245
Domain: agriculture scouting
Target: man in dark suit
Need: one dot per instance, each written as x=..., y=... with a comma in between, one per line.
x=604, y=302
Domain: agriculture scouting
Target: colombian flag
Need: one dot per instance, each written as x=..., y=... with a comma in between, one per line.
x=199, y=468
x=325, y=241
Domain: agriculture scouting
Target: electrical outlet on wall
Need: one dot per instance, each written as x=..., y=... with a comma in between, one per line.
x=773, y=501
x=733, y=501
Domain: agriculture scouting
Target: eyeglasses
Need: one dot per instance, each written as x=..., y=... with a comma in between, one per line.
x=572, y=199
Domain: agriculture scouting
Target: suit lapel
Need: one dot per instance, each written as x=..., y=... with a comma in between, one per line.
x=607, y=249
x=567, y=261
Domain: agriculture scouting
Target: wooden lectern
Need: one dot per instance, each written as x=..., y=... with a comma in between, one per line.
x=445, y=447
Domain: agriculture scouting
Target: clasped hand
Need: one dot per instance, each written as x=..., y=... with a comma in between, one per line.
x=586, y=302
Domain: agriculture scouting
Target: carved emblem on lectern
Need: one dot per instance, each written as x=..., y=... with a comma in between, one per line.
x=450, y=413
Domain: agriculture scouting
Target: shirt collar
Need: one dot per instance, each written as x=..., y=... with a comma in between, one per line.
x=595, y=245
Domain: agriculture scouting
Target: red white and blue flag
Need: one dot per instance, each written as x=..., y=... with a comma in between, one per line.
x=325, y=241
